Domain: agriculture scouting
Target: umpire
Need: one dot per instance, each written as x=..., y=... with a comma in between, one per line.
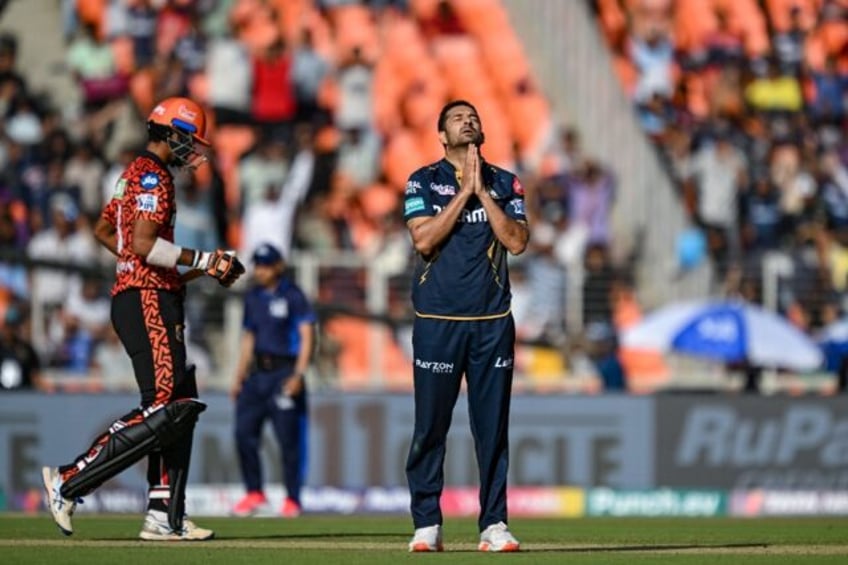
x=276, y=347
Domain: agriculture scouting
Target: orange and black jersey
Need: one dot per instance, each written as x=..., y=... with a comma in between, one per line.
x=144, y=192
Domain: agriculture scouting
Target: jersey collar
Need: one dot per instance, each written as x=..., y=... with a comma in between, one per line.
x=155, y=158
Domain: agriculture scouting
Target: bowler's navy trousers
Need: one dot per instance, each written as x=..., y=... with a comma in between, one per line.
x=444, y=350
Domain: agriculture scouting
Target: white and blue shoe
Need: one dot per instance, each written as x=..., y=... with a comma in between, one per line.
x=157, y=528
x=61, y=508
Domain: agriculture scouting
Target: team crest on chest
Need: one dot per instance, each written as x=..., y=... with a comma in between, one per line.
x=279, y=308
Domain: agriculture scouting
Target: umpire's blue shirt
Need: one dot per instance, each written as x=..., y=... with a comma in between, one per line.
x=467, y=276
x=275, y=316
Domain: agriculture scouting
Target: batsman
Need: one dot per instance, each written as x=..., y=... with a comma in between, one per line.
x=147, y=311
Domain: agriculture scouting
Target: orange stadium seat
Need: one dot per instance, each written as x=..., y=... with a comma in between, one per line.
x=93, y=12
x=230, y=143
x=401, y=156
x=429, y=147
x=353, y=26
x=779, y=13
x=746, y=16
x=257, y=29
x=355, y=337
x=322, y=39
x=613, y=20
x=423, y=9
x=421, y=109
x=833, y=35
x=328, y=93
x=291, y=15
x=483, y=17
x=627, y=74
x=528, y=118
x=198, y=87
x=506, y=62
x=498, y=147
x=815, y=52
x=646, y=370
x=693, y=20
x=387, y=95
x=405, y=48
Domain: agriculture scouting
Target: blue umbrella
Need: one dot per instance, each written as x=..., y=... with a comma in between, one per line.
x=728, y=331
x=833, y=340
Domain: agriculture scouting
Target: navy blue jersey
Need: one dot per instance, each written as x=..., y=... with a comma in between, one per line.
x=467, y=276
x=274, y=318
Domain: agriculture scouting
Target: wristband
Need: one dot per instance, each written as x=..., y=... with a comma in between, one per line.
x=200, y=260
x=164, y=254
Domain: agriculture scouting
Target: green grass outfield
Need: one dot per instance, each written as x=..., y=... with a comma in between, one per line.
x=327, y=540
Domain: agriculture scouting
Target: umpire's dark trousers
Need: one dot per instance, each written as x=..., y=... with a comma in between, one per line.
x=444, y=350
x=261, y=399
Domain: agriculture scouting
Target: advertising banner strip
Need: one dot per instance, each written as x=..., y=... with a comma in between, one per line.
x=218, y=500
x=755, y=503
x=658, y=502
x=561, y=502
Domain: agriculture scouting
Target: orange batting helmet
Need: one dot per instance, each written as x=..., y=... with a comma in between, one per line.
x=183, y=115
x=186, y=119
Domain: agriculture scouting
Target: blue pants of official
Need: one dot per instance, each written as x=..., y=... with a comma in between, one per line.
x=444, y=350
x=260, y=399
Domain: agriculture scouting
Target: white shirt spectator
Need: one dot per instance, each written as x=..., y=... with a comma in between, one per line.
x=86, y=172
x=717, y=174
x=92, y=313
x=359, y=157
x=356, y=100
x=272, y=220
x=308, y=71
x=50, y=286
x=260, y=170
x=230, y=75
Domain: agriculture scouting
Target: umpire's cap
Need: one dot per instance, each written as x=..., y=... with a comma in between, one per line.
x=267, y=254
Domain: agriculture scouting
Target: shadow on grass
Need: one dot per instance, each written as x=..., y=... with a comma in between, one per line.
x=636, y=548
x=279, y=537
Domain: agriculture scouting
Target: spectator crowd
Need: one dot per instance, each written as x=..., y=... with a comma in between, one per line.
x=321, y=108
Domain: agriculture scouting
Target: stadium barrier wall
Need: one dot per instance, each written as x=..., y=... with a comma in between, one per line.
x=700, y=455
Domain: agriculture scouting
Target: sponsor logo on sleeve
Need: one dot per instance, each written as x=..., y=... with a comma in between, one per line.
x=517, y=206
x=413, y=205
x=120, y=188
x=149, y=181
x=147, y=202
x=517, y=187
x=412, y=187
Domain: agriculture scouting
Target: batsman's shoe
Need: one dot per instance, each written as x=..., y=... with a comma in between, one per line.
x=157, y=528
x=61, y=508
x=427, y=539
x=290, y=509
x=497, y=538
x=252, y=501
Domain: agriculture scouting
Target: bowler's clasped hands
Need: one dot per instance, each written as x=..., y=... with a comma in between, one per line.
x=472, y=178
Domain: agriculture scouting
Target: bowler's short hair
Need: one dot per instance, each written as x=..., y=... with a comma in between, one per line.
x=443, y=115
